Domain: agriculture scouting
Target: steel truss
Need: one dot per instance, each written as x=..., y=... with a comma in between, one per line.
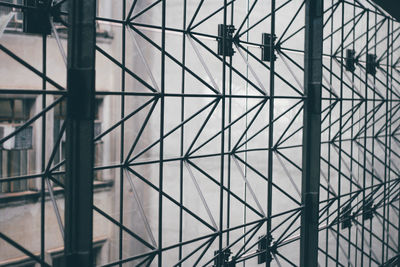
x=236, y=132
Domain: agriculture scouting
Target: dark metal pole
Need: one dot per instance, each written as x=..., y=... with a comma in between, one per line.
x=80, y=124
x=311, y=133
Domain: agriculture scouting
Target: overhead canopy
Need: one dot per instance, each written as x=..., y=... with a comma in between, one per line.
x=390, y=6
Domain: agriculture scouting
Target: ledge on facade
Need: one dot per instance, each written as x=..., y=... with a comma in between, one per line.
x=53, y=253
x=31, y=196
x=20, y=261
x=102, y=36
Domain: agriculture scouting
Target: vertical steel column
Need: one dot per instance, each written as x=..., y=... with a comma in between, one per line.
x=311, y=133
x=80, y=124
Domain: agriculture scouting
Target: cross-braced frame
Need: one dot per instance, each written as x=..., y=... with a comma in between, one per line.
x=237, y=133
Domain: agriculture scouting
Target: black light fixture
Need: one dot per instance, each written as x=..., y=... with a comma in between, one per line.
x=266, y=54
x=222, y=259
x=346, y=217
x=36, y=18
x=368, y=209
x=351, y=60
x=371, y=64
x=263, y=242
x=225, y=40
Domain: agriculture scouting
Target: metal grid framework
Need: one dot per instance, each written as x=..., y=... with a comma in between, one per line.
x=290, y=162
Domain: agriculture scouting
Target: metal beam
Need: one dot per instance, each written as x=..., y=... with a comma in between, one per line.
x=390, y=6
x=80, y=124
x=311, y=133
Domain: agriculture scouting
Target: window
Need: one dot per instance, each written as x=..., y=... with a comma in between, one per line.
x=16, y=21
x=98, y=145
x=15, y=156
